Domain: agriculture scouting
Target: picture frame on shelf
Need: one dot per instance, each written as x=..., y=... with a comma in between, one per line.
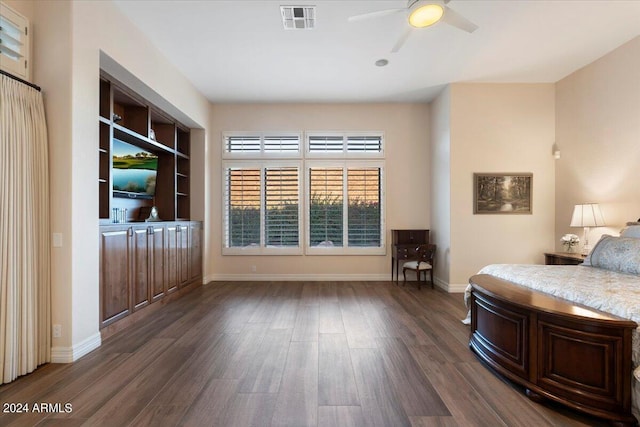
x=502, y=193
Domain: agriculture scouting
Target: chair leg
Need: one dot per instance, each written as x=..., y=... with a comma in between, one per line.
x=419, y=280
x=404, y=274
x=431, y=272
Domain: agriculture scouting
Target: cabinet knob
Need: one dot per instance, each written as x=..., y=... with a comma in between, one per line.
x=130, y=232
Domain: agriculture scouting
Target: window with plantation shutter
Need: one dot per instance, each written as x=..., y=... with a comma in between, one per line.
x=281, y=144
x=364, y=207
x=364, y=144
x=334, y=187
x=262, y=208
x=281, y=207
x=249, y=145
x=243, y=144
x=325, y=207
x=326, y=144
x=344, y=144
x=345, y=208
x=243, y=207
x=14, y=43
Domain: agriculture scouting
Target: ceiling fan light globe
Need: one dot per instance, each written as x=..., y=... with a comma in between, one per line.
x=423, y=15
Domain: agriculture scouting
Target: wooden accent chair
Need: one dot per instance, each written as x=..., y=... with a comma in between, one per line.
x=424, y=262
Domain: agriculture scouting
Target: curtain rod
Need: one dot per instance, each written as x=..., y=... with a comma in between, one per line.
x=36, y=87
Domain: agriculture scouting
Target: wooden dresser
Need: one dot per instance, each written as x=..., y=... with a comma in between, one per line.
x=403, y=244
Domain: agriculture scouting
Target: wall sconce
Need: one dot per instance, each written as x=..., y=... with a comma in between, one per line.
x=587, y=215
x=555, y=150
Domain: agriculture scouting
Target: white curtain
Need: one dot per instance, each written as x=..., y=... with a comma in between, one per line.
x=25, y=313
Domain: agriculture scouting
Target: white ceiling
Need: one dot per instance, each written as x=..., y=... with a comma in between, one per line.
x=238, y=51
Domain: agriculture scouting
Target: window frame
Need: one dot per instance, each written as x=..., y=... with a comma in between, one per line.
x=262, y=249
x=304, y=160
x=20, y=66
x=261, y=153
x=344, y=153
x=345, y=249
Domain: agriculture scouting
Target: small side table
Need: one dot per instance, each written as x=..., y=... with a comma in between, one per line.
x=563, y=258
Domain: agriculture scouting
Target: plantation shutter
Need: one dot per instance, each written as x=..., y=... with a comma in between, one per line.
x=14, y=43
x=242, y=200
x=242, y=144
x=253, y=145
x=281, y=210
x=340, y=203
x=281, y=144
x=326, y=207
x=326, y=144
x=364, y=217
x=364, y=144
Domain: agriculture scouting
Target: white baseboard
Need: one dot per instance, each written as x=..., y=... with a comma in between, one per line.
x=457, y=288
x=73, y=353
x=295, y=277
x=451, y=288
x=448, y=287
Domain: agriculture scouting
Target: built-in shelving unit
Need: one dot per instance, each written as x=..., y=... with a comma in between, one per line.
x=143, y=262
x=127, y=117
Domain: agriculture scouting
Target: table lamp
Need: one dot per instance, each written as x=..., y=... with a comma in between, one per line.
x=587, y=215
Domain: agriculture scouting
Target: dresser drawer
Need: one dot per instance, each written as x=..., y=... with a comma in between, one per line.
x=402, y=253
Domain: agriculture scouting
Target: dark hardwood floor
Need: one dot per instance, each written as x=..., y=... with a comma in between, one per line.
x=286, y=353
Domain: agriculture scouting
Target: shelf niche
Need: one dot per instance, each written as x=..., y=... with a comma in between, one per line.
x=127, y=117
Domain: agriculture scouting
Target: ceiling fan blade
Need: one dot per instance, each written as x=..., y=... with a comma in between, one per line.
x=403, y=38
x=453, y=18
x=377, y=14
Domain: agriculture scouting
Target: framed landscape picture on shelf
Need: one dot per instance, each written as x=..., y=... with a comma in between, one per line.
x=502, y=193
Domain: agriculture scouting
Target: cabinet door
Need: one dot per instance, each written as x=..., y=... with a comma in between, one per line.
x=183, y=253
x=196, y=251
x=140, y=270
x=115, y=268
x=157, y=240
x=171, y=233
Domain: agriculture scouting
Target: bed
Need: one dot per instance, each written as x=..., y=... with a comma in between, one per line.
x=566, y=333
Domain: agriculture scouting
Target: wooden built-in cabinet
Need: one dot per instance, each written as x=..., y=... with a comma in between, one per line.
x=115, y=271
x=141, y=263
x=144, y=262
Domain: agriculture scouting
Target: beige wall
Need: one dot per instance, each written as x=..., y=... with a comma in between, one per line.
x=405, y=127
x=500, y=128
x=440, y=132
x=598, y=133
x=68, y=38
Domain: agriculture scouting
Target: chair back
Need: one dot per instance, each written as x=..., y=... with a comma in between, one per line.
x=426, y=252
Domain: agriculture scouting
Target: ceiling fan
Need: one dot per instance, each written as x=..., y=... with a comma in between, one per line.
x=420, y=14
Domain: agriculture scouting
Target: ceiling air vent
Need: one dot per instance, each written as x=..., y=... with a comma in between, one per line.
x=298, y=17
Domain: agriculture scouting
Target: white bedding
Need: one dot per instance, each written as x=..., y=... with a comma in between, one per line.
x=605, y=290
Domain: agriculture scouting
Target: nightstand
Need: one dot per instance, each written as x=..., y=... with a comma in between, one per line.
x=563, y=258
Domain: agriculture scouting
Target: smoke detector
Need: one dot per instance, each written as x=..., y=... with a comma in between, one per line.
x=298, y=17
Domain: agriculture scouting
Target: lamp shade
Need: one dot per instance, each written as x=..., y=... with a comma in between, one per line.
x=587, y=215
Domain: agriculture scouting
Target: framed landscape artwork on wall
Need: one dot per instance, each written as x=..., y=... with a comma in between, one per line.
x=502, y=193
